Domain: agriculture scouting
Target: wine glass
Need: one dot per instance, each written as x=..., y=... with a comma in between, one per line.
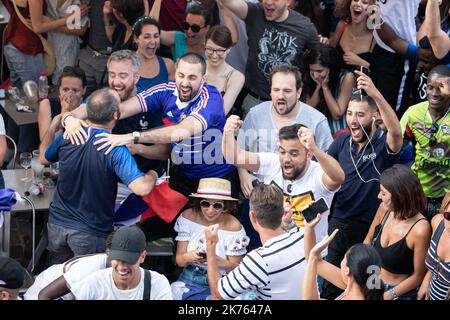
x=25, y=162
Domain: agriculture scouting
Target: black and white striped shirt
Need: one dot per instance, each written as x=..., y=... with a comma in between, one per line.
x=274, y=271
x=440, y=281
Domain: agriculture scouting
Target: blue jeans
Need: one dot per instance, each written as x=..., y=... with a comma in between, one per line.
x=65, y=243
x=193, y=275
x=411, y=295
x=22, y=68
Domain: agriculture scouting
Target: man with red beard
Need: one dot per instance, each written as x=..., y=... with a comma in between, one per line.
x=363, y=152
x=123, y=75
x=301, y=179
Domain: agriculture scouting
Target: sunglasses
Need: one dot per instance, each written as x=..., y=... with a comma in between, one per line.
x=434, y=129
x=219, y=52
x=194, y=27
x=216, y=205
x=446, y=215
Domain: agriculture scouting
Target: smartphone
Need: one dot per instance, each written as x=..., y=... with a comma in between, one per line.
x=202, y=254
x=366, y=71
x=311, y=212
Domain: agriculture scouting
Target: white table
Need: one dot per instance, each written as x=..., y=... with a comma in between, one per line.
x=40, y=202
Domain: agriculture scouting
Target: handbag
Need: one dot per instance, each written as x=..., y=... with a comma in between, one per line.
x=48, y=54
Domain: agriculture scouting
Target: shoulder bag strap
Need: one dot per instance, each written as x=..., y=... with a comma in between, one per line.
x=27, y=22
x=379, y=228
x=147, y=285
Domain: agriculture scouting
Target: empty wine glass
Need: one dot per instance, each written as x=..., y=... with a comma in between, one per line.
x=14, y=95
x=25, y=162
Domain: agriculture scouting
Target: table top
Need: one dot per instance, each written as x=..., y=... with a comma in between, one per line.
x=12, y=180
x=20, y=117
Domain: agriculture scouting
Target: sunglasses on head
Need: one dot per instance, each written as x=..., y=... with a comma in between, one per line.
x=194, y=27
x=446, y=215
x=216, y=205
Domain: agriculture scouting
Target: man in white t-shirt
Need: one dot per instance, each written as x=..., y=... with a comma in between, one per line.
x=55, y=282
x=301, y=179
x=125, y=280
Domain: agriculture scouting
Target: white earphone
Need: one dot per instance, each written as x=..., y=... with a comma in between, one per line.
x=373, y=151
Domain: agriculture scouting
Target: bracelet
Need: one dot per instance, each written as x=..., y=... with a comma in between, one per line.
x=413, y=52
x=393, y=294
x=63, y=120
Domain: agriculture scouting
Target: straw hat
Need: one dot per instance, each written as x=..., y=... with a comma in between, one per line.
x=214, y=188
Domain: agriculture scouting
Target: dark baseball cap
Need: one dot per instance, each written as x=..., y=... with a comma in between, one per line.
x=127, y=244
x=12, y=273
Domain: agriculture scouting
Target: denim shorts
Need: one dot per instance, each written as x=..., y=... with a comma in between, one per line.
x=411, y=295
x=194, y=275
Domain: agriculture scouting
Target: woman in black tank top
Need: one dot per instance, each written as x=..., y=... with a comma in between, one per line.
x=400, y=233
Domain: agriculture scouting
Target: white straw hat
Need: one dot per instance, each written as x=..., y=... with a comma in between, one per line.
x=214, y=188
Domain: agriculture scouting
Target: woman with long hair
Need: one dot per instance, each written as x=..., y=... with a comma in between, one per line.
x=322, y=88
x=400, y=233
x=436, y=284
x=358, y=275
x=219, y=73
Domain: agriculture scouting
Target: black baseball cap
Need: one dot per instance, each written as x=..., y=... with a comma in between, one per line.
x=127, y=244
x=12, y=273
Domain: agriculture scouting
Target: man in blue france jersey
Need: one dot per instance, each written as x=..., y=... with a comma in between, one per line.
x=81, y=214
x=193, y=114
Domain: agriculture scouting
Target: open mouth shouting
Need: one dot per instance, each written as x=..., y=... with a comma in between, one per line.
x=185, y=93
x=124, y=274
x=150, y=50
x=357, y=13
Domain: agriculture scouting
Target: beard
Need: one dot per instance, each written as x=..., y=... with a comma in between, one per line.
x=125, y=93
x=296, y=172
x=186, y=98
x=368, y=130
x=288, y=108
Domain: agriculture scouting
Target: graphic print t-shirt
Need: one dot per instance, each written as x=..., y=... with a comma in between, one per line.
x=272, y=43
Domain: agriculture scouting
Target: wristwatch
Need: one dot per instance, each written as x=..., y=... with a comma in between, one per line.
x=136, y=136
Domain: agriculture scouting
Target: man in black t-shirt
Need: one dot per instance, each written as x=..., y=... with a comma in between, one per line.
x=276, y=35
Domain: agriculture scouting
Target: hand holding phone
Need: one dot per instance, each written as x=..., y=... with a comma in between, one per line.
x=311, y=212
x=366, y=71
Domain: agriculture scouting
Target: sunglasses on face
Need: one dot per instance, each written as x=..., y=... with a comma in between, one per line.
x=216, y=205
x=446, y=215
x=194, y=27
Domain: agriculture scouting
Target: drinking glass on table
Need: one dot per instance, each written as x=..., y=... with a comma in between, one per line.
x=25, y=162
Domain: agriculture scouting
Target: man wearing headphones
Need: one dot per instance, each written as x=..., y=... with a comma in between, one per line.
x=363, y=153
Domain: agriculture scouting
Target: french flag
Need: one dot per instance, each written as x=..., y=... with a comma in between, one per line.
x=162, y=201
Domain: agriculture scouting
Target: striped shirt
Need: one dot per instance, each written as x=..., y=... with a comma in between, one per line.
x=274, y=271
x=440, y=281
x=199, y=156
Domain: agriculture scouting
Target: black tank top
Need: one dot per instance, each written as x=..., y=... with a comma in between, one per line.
x=363, y=55
x=396, y=258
